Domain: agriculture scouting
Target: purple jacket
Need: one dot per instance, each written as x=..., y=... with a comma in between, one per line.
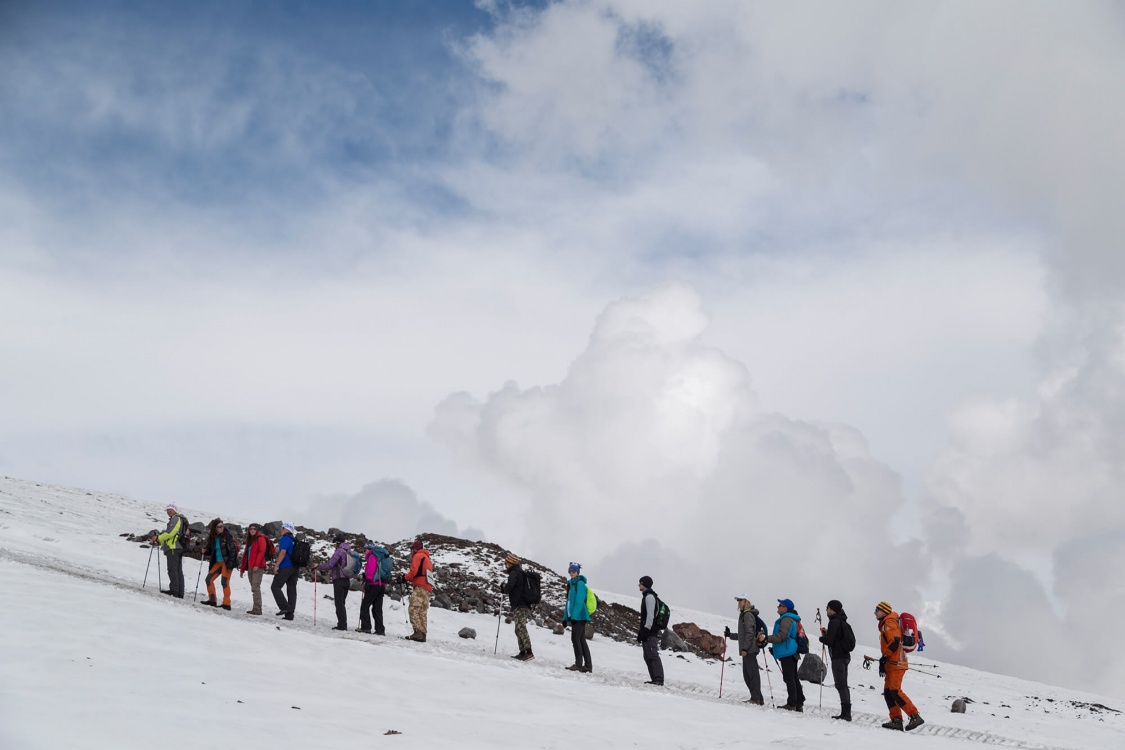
x=338, y=563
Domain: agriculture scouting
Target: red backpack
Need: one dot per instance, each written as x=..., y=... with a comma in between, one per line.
x=911, y=635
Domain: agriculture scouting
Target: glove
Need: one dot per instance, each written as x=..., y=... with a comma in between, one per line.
x=566, y=623
x=642, y=635
x=726, y=632
x=883, y=667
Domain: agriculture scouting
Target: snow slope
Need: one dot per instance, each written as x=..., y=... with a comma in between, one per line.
x=90, y=660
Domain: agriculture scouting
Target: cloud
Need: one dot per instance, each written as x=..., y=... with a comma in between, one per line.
x=652, y=435
x=387, y=510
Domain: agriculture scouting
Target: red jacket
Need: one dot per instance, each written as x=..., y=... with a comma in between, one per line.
x=420, y=565
x=255, y=556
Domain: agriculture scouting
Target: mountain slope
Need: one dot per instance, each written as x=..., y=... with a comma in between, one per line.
x=91, y=660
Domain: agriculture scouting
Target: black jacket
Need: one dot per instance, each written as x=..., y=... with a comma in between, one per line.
x=834, y=638
x=649, y=605
x=516, y=587
x=228, y=546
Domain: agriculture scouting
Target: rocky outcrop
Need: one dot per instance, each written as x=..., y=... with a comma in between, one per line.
x=701, y=640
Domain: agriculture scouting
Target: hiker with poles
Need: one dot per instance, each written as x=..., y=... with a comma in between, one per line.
x=418, y=576
x=839, y=639
x=516, y=587
x=221, y=548
x=578, y=617
x=749, y=625
x=337, y=567
x=172, y=542
x=376, y=576
x=785, y=648
x=892, y=668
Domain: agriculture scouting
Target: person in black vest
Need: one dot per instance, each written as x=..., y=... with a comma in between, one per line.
x=516, y=589
x=649, y=635
x=840, y=645
x=747, y=637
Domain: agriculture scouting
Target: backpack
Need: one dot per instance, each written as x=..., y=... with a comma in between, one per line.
x=802, y=639
x=271, y=551
x=759, y=626
x=383, y=573
x=911, y=636
x=301, y=553
x=591, y=601
x=352, y=564
x=663, y=615
x=849, y=637
x=532, y=588
x=184, y=540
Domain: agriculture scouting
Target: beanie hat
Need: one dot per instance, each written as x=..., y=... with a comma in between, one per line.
x=511, y=559
x=289, y=528
x=172, y=507
x=370, y=544
x=416, y=546
x=787, y=603
x=339, y=539
x=883, y=606
x=574, y=568
x=835, y=605
x=646, y=581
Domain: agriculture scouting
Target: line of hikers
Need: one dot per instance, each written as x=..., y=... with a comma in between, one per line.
x=786, y=642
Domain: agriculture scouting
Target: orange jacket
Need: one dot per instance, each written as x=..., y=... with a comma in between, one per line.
x=420, y=565
x=889, y=632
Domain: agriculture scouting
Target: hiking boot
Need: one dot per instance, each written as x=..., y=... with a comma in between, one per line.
x=519, y=655
x=576, y=668
x=916, y=721
x=755, y=701
x=253, y=611
x=845, y=712
x=527, y=656
x=225, y=606
x=288, y=615
x=368, y=630
x=340, y=628
x=658, y=683
x=282, y=612
x=586, y=670
x=895, y=724
x=210, y=603
x=168, y=592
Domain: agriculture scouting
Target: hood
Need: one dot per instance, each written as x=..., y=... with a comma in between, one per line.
x=578, y=577
x=381, y=551
x=344, y=546
x=792, y=614
x=841, y=615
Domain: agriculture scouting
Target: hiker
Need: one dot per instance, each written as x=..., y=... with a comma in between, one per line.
x=516, y=589
x=747, y=637
x=419, y=577
x=171, y=542
x=892, y=668
x=577, y=616
x=337, y=565
x=374, y=587
x=221, y=548
x=649, y=635
x=840, y=640
x=259, y=549
x=784, y=640
x=285, y=573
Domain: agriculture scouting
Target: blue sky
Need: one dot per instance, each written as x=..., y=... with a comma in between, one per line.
x=394, y=263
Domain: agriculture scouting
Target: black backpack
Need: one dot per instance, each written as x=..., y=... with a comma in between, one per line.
x=849, y=637
x=663, y=615
x=184, y=540
x=532, y=588
x=301, y=553
x=759, y=627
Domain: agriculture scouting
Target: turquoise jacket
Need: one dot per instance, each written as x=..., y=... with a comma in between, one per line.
x=785, y=641
x=576, y=599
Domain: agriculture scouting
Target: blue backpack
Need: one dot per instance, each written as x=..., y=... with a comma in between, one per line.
x=386, y=562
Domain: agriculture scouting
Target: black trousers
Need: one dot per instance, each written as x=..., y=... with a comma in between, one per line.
x=792, y=684
x=840, y=677
x=371, y=608
x=176, y=572
x=340, y=588
x=581, y=645
x=752, y=677
x=651, y=648
x=287, y=578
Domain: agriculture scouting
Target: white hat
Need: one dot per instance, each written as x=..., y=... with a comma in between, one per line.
x=289, y=527
x=172, y=507
x=742, y=597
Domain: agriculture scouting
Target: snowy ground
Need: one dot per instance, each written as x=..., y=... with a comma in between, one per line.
x=90, y=660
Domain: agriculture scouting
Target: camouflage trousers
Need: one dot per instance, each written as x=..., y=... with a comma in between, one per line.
x=520, y=616
x=419, y=608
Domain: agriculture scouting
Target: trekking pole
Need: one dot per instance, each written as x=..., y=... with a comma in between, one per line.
x=147, y=566
x=499, y=615
x=820, y=704
x=195, y=597
x=314, y=597
x=769, y=682
x=158, y=584
x=723, y=669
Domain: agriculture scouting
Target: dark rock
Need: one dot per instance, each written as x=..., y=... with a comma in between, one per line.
x=272, y=529
x=959, y=706
x=463, y=607
x=443, y=601
x=559, y=629
x=467, y=633
x=702, y=641
x=198, y=527
x=812, y=669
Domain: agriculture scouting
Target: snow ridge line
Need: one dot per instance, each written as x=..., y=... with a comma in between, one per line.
x=693, y=692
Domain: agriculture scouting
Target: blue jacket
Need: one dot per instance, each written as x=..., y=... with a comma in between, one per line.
x=785, y=641
x=576, y=599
